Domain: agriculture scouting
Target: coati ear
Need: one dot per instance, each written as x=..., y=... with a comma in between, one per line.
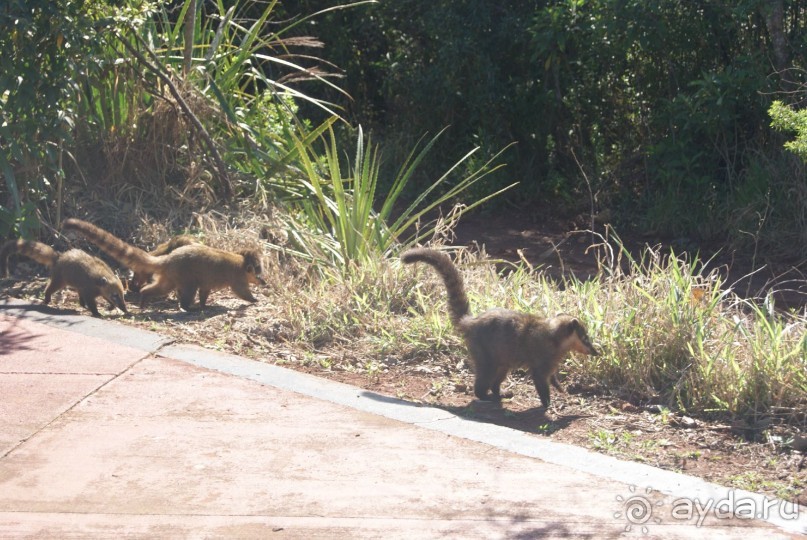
x=252, y=262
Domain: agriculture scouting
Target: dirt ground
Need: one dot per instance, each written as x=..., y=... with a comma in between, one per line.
x=770, y=459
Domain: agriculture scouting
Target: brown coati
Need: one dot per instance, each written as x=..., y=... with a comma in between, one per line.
x=500, y=340
x=186, y=269
x=88, y=275
x=139, y=279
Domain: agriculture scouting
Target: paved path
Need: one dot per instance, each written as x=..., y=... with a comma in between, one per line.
x=107, y=431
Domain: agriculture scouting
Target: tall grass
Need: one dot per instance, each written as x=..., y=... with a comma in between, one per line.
x=673, y=333
x=670, y=332
x=189, y=121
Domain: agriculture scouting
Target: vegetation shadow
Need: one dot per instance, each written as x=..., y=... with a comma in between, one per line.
x=60, y=317
x=388, y=399
x=13, y=338
x=51, y=312
x=514, y=527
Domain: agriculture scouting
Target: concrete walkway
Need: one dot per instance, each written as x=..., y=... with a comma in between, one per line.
x=107, y=431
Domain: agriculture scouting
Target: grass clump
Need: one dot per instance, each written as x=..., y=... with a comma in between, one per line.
x=329, y=308
x=340, y=215
x=670, y=333
x=675, y=334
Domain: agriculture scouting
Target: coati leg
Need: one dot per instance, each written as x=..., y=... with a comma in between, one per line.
x=242, y=291
x=186, y=294
x=542, y=386
x=498, y=379
x=203, y=294
x=481, y=386
x=158, y=287
x=489, y=373
x=55, y=284
x=554, y=380
x=90, y=304
x=484, y=373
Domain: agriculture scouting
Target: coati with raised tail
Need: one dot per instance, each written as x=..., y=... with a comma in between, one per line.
x=186, y=269
x=500, y=340
x=88, y=275
x=139, y=279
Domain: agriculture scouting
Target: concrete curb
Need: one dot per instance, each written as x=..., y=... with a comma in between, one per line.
x=120, y=333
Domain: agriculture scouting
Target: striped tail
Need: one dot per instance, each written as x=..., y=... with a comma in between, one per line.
x=128, y=255
x=458, y=305
x=41, y=253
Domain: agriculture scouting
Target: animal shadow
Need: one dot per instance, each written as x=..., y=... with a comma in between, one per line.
x=534, y=420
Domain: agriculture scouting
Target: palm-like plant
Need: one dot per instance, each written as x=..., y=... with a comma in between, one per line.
x=338, y=221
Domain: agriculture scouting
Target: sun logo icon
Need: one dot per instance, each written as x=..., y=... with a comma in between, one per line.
x=637, y=509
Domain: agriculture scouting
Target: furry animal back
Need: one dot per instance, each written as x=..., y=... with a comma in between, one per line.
x=139, y=279
x=88, y=275
x=500, y=340
x=186, y=269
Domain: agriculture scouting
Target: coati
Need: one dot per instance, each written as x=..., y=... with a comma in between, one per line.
x=186, y=269
x=500, y=340
x=88, y=275
x=139, y=279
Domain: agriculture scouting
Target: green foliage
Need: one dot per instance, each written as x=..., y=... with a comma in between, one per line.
x=414, y=68
x=786, y=119
x=663, y=104
x=224, y=81
x=45, y=47
x=339, y=224
x=678, y=335
x=110, y=96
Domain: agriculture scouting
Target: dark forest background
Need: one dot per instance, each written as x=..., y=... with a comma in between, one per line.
x=656, y=109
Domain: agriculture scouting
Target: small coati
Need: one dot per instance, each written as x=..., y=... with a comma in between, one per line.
x=139, y=279
x=88, y=275
x=500, y=340
x=186, y=269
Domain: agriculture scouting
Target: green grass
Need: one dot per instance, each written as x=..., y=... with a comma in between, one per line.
x=753, y=481
x=670, y=331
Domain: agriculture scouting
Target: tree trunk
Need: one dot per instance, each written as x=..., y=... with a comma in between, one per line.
x=773, y=11
x=190, y=22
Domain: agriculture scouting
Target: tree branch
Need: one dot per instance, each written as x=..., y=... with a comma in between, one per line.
x=224, y=177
